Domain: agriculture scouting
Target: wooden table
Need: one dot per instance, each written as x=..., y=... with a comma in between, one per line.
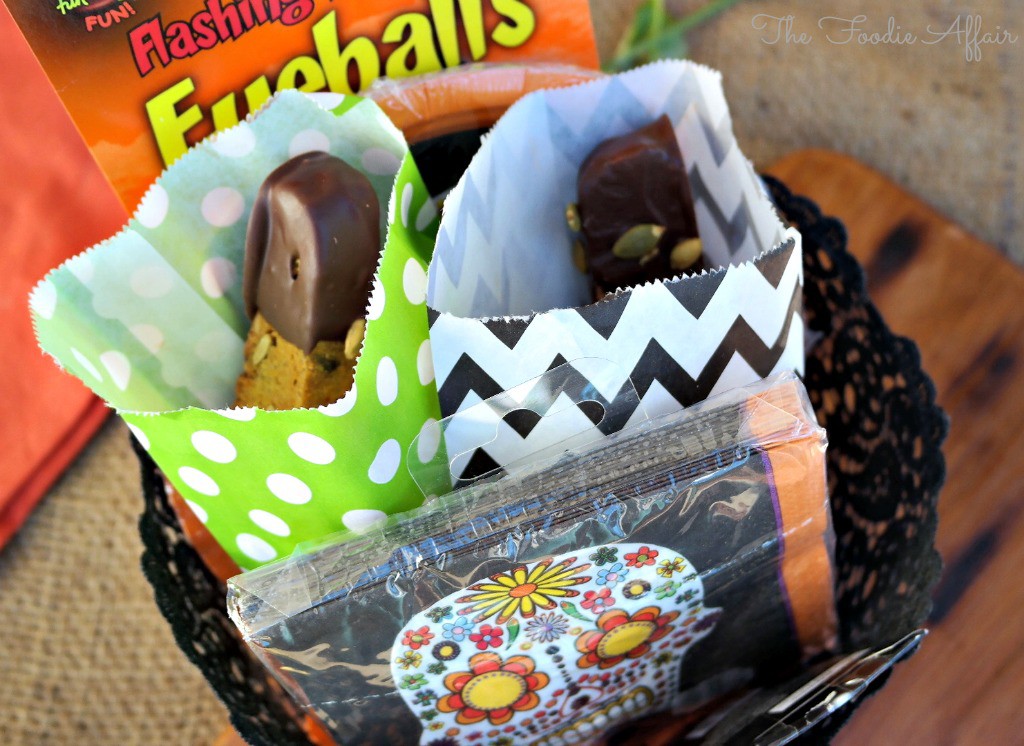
x=964, y=305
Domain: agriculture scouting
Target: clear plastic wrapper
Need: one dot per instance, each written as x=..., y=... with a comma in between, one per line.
x=659, y=568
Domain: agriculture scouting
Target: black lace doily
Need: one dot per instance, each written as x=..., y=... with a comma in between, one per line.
x=885, y=472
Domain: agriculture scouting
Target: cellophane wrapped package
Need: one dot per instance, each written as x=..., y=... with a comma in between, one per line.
x=661, y=568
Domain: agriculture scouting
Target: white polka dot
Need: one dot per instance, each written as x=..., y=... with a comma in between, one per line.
x=151, y=282
x=214, y=446
x=386, y=462
x=428, y=440
x=425, y=363
x=213, y=345
x=236, y=142
x=255, y=547
x=153, y=208
x=82, y=268
x=217, y=275
x=150, y=337
x=269, y=522
x=328, y=101
x=406, y=203
x=85, y=363
x=341, y=407
x=310, y=448
x=381, y=162
x=118, y=367
x=199, y=481
x=198, y=511
x=44, y=299
x=308, y=141
x=241, y=414
x=362, y=519
x=376, y=307
x=426, y=215
x=139, y=435
x=222, y=207
x=174, y=374
x=387, y=381
x=290, y=489
x=414, y=281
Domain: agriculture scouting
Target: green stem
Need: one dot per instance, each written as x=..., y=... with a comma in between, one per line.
x=675, y=30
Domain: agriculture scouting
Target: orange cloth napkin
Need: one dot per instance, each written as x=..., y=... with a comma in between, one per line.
x=54, y=202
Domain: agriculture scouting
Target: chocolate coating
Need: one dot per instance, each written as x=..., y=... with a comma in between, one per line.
x=311, y=249
x=635, y=179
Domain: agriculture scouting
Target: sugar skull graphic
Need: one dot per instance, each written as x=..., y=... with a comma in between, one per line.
x=554, y=651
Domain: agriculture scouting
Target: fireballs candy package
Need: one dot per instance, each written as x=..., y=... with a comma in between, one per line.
x=661, y=568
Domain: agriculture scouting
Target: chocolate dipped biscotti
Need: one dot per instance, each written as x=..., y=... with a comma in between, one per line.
x=312, y=247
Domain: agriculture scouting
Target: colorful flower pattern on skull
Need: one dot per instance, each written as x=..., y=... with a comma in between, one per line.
x=554, y=651
x=524, y=589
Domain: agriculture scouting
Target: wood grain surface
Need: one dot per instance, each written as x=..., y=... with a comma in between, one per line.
x=963, y=303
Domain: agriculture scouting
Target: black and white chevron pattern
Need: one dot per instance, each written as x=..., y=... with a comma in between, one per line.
x=657, y=336
x=507, y=303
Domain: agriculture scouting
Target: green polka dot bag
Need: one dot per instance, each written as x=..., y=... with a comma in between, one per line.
x=153, y=321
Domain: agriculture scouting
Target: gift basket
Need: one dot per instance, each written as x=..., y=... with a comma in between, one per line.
x=687, y=550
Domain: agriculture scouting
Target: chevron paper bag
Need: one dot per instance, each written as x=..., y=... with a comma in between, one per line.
x=507, y=302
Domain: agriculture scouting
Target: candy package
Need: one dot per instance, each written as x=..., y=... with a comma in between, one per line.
x=661, y=567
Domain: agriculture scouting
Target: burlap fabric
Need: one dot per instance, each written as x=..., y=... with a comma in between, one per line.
x=948, y=130
x=87, y=659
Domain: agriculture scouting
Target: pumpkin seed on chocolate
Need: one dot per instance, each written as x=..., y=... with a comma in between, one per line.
x=650, y=256
x=572, y=217
x=686, y=253
x=638, y=241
